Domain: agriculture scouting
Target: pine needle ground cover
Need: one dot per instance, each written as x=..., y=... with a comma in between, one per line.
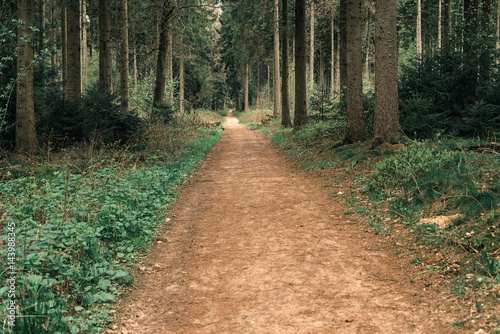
x=401, y=191
x=78, y=231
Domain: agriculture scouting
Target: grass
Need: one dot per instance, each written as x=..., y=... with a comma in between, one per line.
x=84, y=218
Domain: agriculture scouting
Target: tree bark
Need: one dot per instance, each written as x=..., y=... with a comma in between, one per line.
x=53, y=38
x=26, y=141
x=356, y=126
x=386, y=122
x=440, y=14
x=105, y=56
x=161, y=69
x=181, y=85
x=332, y=57
x=447, y=25
x=74, y=82
x=285, y=105
x=343, y=46
x=170, y=65
x=497, y=44
x=245, y=89
x=84, y=43
x=124, y=65
x=419, y=31
x=300, y=65
x=276, y=68
x=135, y=70
x=64, y=45
x=311, y=50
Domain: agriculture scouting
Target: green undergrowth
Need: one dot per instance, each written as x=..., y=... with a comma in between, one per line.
x=80, y=229
x=396, y=186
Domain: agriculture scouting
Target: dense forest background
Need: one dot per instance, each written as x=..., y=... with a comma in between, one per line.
x=180, y=56
x=106, y=106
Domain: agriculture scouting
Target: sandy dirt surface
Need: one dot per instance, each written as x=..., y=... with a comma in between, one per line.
x=255, y=245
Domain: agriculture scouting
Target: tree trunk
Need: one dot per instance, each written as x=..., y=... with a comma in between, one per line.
x=419, y=31
x=332, y=58
x=135, y=70
x=343, y=46
x=285, y=105
x=124, y=71
x=161, y=69
x=321, y=68
x=74, y=82
x=386, y=122
x=268, y=84
x=300, y=64
x=440, y=14
x=181, y=85
x=84, y=43
x=356, y=126
x=447, y=25
x=26, y=140
x=170, y=65
x=245, y=89
x=64, y=45
x=498, y=33
x=105, y=56
x=311, y=51
x=276, y=68
x=156, y=39
x=53, y=38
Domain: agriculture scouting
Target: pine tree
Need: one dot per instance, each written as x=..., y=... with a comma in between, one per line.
x=26, y=140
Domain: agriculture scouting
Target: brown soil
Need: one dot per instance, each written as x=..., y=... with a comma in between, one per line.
x=256, y=245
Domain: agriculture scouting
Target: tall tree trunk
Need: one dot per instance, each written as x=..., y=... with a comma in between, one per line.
x=135, y=70
x=268, y=84
x=321, y=68
x=124, y=71
x=337, y=61
x=105, y=56
x=64, y=45
x=285, y=105
x=356, y=126
x=181, y=84
x=386, y=122
x=311, y=50
x=53, y=38
x=245, y=89
x=300, y=64
x=497, y=44
x=170, y=64
x=74, y=83
x=161, y=69
x=26, y=140
x=343, y=46
x=156, y=38
x=84, y=43
x=447, y=25
x=332, y=57
x=276, y=68
x=367, y=41
x=440, y=30
x=419, y=31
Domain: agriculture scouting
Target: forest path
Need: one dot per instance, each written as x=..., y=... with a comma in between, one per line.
x=255, y=245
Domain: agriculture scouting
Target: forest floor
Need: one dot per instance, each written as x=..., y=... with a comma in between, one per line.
x=257, y=245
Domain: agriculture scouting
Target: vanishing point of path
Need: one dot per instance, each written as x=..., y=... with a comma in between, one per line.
x=255, y=245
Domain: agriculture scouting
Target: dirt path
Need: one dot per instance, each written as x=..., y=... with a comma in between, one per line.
x=256, y=246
